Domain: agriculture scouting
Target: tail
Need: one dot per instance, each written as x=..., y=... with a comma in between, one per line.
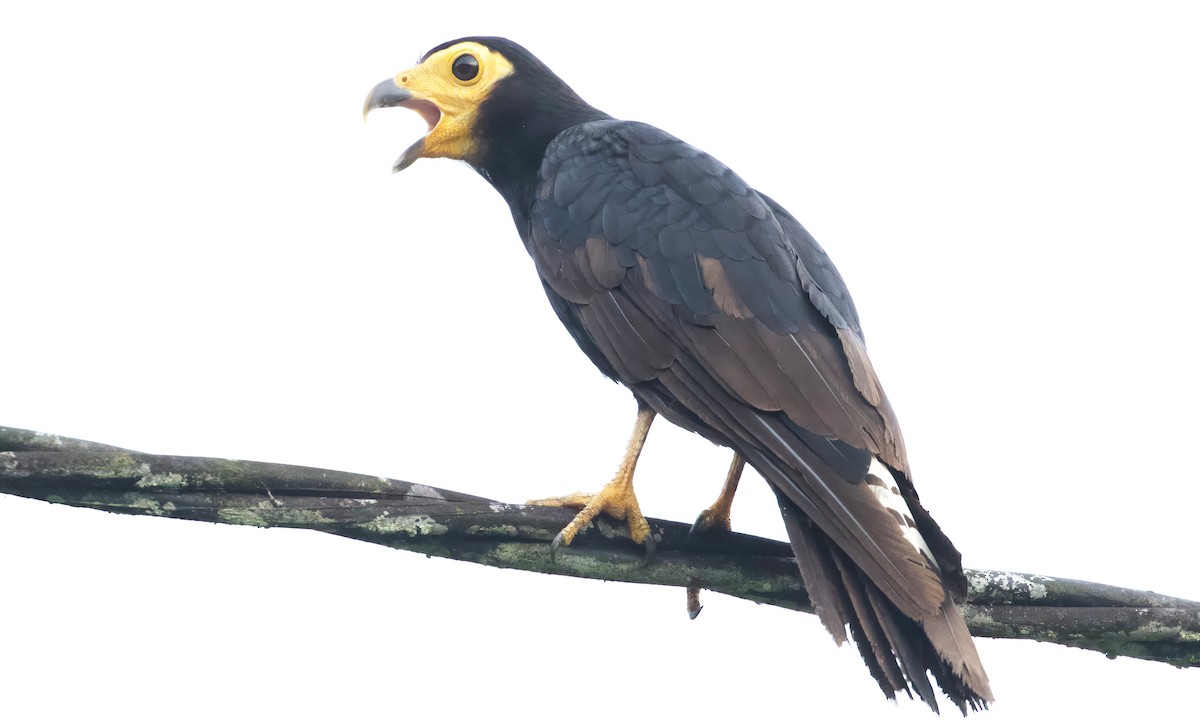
x=901, y=652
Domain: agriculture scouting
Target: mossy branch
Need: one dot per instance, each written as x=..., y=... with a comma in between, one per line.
x=415, y=517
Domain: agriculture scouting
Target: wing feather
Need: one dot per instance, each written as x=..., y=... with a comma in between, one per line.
x=753, y=336
x=719, y=310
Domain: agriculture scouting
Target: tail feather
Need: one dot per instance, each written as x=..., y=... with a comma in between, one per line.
x=900, y=652
x=817, y=571
x=872, y=636
x=871, y=557
x=906, y=645
x=966, y=679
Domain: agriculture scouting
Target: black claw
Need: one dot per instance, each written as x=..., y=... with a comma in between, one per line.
x=650, y=545
x=703, y=527
x=555, y=544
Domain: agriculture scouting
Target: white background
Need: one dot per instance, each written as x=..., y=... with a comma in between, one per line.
x=202, y=252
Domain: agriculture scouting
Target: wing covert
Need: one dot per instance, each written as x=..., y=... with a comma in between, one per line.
x=687, y=286
x=748, y=289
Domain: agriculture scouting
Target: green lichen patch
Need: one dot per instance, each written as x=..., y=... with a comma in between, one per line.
x=424, y=491
x=295, y=517
x=161, y=481
x=267, y=515
x=494, y=530
x=536, y=533
x=1154, y=631
x=1005, y=587
x=242, y=516
x=105, y=465
x=146, y=505
x=522, y=556
x=411, y=525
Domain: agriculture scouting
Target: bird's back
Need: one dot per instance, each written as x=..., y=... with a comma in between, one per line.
x=719, y=311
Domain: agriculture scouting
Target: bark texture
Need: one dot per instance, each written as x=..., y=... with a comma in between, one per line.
x=410, y=516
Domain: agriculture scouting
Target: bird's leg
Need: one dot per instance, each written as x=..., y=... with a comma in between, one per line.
x=615, y=499
x=693, y=601
x=716, y=517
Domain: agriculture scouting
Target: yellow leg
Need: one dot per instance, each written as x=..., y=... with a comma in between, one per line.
x=716, y=517
x=615, y=499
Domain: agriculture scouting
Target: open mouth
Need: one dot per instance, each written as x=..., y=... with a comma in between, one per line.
x=432, y=116
x=426, y=109
x=389, y=94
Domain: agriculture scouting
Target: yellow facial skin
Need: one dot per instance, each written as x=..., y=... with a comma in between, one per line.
x=448, y=104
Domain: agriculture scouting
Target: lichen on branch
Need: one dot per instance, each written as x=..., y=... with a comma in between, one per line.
x=419, y=518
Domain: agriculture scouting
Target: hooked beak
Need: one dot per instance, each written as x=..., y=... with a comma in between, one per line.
x=388, y=94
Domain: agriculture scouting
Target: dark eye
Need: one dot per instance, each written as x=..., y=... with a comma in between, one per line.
x=465, y=67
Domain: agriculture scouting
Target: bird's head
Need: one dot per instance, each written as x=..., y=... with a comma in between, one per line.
x=447, y=88
x=487, y=101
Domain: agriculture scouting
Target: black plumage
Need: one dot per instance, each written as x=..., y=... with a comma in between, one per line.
x=719, y=311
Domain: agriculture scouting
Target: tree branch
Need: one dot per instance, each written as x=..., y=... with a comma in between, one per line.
x=410, y=516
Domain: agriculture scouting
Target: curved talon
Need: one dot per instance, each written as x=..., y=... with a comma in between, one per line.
x=616, y=499
x=716, y=516
x=693, y=602
x=560, y=541
x=651, y=545
x=554, y=545
x=706, y=523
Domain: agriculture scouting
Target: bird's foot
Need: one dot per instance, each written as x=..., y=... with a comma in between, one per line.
x=616, y=500
x=713, y=519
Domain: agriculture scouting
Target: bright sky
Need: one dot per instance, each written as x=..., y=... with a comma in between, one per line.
x=202, y=252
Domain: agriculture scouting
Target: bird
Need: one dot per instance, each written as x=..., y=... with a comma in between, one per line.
x=716, y=308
